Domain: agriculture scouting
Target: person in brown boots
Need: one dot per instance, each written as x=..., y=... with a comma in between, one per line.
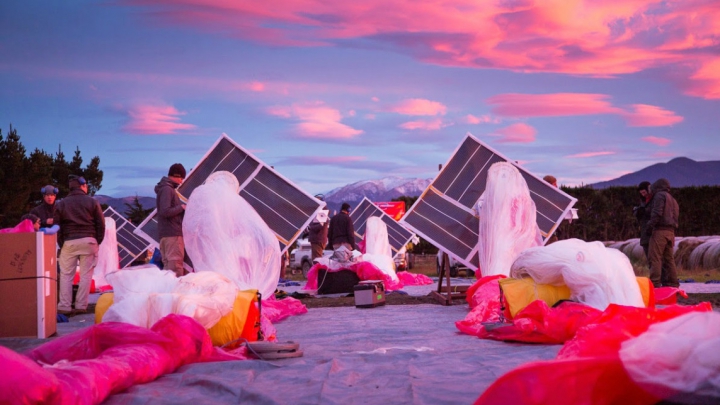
x=664, y=213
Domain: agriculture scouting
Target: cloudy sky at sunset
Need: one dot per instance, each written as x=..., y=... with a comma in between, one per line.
x=332, y=92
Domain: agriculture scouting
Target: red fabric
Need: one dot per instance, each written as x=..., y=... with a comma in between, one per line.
x=25, y=225
x=484, y=299
x=668, y=295
x=277, y=310
x=93, y=363
x=596, y=381
x=364, y=270
x=76, y=281
x=407, y=278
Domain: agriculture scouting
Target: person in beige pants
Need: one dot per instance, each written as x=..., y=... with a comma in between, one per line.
x=82, y=228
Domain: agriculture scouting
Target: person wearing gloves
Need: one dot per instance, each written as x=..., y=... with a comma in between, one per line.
x=170, y=214
x=82, y=228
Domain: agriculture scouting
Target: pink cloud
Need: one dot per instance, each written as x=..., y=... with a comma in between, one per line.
x=516, y=133
x=657, y=141
x=590, y=154
x=256, y=86
x=432, y=125
x=155, y=120
x=592, y=38
x=419, y=106
x=316, y=120
x=651, y=116
x=569, y=104
x=551, y=105
x=483, y=119
x=323, y=160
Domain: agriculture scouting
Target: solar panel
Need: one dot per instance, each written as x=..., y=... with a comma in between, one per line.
x=444, y=213
x=285, y=208
x=130, y=245
x=398, y=235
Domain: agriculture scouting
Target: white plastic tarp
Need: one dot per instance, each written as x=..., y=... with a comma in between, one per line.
x=224, y=234
x=108, y=259
x=507, y=220
x=377, y=247
x=596, y=275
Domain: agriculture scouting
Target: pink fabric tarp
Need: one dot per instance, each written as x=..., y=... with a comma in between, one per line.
x=87, y=366
x=368, y=271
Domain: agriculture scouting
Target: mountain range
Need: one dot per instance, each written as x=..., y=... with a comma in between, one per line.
x=681, y=172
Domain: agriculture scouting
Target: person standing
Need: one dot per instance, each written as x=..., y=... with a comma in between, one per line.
x=642, y=213
x=342, y=230
x=170, y=214
x=82, y=228
x=318, y=235
x=46, y=209
x=664, y=214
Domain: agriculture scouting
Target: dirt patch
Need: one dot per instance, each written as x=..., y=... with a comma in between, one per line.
x=694, y=299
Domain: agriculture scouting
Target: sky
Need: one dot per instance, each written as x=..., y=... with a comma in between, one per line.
x=334, y=92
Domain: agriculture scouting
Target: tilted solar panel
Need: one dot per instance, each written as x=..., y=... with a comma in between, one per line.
x=130, y=245
x=285, y=208
x=444, y=213
x=398, y=235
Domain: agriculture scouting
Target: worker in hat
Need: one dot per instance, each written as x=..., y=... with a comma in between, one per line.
x=170, y=214
x=46, y=209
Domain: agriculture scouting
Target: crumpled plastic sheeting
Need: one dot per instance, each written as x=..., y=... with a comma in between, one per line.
x=596, y=275
x=377, y=247
x=25, y=225
x=668, y=295
x=407, y=278
x=108, y=257
x=592, y=368
x=223, y=233
x=508, y=222
x=364, y=270
x=276, y=310
x=145, y=295
x=682, y=354
x=87, y=366
x=484, y=299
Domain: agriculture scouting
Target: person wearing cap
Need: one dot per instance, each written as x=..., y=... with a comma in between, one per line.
x=318, y=235
x=170, y=214
x=664, y=215
x=642, y=213
x=342, y=231
x=46, y=209
x=82, y=228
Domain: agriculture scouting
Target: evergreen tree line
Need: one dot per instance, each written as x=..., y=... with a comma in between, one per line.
x=22, y=175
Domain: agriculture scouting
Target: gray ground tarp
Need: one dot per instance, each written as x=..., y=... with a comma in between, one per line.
x=385, y=355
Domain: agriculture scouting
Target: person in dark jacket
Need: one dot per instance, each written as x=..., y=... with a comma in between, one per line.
x=342, y=230
x=46, y=209
x=661, y=227
x=170, y=214
x=82, y=229
x=318, y=235
x=642, y=213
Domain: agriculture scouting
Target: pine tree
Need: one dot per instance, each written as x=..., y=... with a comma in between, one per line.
x=135, y=212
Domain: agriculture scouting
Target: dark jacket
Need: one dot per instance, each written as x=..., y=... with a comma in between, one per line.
x=642, y=213
x=44, y=211
x=318, y=233
x=79, y=216
x=170, y=212
x=342, y=229
x=665, y=211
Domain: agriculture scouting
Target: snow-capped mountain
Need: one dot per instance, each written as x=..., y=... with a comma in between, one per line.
x=383, y=189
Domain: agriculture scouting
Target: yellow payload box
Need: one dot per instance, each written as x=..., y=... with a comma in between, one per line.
x=520, y=292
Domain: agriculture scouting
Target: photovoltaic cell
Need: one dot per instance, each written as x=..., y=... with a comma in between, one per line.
x=285, y=208
x=398, y=235
x=130, y=245
x=444, y=213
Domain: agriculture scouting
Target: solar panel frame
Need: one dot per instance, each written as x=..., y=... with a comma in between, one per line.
x=398, y=235
x=256, y=179
x=130, y=244
x=444, y=214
